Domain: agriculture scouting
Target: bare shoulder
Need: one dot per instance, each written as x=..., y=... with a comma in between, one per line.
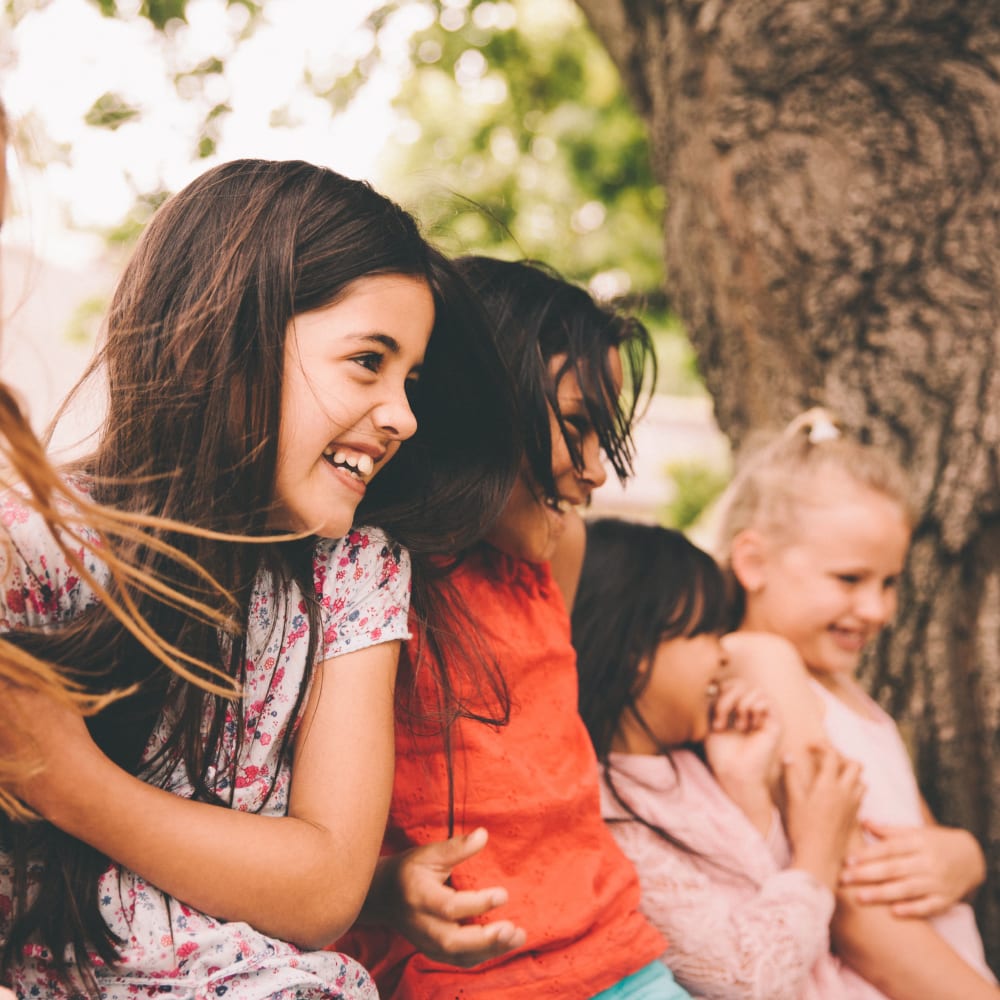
x=766, y=654
x=772, y=664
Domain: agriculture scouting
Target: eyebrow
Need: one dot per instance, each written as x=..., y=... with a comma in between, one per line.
x=388, y=342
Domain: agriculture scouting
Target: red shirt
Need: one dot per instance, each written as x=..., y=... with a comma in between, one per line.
x=533, y=785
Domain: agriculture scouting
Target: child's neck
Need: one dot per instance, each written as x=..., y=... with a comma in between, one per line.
x=845, y=689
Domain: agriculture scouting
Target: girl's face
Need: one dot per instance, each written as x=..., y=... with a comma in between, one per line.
x=830, y=586
x=344, y=406
x=675, y=703
x=530, y=527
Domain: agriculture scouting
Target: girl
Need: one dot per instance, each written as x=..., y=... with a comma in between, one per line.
x=688, y=760
x=277, y=336
x=567, y=920
x=815, y=530
x=23, y=461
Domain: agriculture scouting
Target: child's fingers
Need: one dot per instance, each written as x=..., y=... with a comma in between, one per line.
x=444, y=855
x=758, y=710
x=739, y=708
x=451, y=904
x=722, y=710
x=466, y=945
x=924, y=907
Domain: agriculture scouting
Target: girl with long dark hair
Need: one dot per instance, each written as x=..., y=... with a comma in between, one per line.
x=532, y=890
x=286, y=360
x=689, y=770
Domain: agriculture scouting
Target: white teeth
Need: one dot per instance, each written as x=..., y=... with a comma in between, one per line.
x=359, y=464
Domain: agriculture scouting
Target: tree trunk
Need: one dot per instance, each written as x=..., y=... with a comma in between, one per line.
x=832, y=169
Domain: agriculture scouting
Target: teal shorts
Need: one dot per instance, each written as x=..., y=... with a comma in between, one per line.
x=653, y=982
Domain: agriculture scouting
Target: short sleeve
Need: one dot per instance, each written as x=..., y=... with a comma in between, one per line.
x=363, y=585
x=38, y=587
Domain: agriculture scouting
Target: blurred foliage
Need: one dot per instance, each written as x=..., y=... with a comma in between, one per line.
x=130, y=228
x=515, y=139
x=161, y=12
x=696, y=486
x=85, y=321
x=111, y=111
x=519, y=141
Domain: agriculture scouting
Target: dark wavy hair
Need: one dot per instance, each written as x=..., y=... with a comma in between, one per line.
x=193, y=356
x=640, y=585
x=540, y=316
x=537, y=316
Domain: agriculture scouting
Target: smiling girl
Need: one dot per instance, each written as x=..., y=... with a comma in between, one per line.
x=547, y=906
x=690, y=771
x=815, y=530
x=284, y=354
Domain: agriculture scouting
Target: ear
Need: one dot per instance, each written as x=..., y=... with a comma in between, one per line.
x=748, y=558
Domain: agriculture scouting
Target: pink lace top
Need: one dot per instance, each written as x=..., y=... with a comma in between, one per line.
x=741, y=926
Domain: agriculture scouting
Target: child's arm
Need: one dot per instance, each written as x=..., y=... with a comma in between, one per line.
x=919, y=870
x=302, y=878
x=772, y=665
x=728, y=939
x=740, y=750
x=821, y=790
x=410, y=893
x=904, y=958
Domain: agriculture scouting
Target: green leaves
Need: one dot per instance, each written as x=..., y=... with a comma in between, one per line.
x=111, y=111
x=525, y=144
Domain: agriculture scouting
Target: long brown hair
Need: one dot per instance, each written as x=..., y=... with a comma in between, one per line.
x=74, y=525
x=192, y=356
x=537, y=315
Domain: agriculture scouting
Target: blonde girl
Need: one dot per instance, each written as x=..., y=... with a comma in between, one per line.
x=690, y=772
x=815, y=530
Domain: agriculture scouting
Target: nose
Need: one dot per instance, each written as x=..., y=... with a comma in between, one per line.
x=876, y=604
x=594, y=472
x=394, y=416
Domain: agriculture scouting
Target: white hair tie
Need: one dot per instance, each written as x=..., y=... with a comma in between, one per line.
x=823, y=429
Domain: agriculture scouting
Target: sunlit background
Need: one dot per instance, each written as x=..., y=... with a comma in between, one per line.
x=501, y=125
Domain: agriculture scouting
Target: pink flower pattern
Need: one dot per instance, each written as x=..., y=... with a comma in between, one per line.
x=170, y=949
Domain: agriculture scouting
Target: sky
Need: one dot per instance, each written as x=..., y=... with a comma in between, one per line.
x=62, y=55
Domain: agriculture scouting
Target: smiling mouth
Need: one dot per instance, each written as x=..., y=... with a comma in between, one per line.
x=358, y=465
x=850, y=638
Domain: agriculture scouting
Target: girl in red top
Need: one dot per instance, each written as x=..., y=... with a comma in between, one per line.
x=514, y=760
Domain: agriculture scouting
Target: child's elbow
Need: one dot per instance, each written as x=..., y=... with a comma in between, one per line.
x=323, y=917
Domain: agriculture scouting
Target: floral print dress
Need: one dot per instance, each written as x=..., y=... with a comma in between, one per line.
x=170, y=949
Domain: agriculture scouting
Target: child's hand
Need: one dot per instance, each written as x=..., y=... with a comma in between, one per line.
x=741, y=749
x=744, y=735
x=822, y=794
x=920, y=870
x=50, y=736
x=430, y=913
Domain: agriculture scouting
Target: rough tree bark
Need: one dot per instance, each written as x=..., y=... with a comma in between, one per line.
x=832, y=169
